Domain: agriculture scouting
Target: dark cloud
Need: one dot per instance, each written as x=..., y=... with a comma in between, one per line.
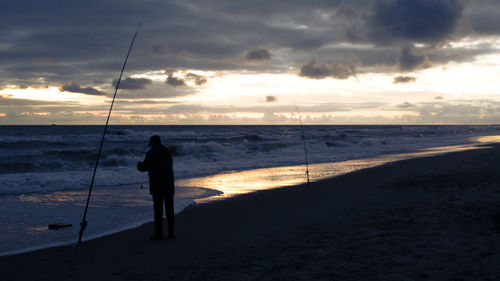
x=404, y=79
x=337, y=70
x=159, y=91
x=90, y=40
x=198, y=80
x=53, y=42
x=390, y=24
x=459, y=55
x=271, y=98
x=347, y=12
x=258, y=54
x=484, y=16
x=423, y=21
x=315, y=70
x=266, y=8
x=406, y=105
x=174, y=81
x=76, y=88
x=408, y=60
x=438, y=98
x=133, y=83
x=488, y=24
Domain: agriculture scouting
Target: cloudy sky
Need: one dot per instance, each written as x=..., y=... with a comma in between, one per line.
x=248, y=62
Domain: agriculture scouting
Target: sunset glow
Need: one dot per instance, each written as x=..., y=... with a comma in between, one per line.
x=331, y=64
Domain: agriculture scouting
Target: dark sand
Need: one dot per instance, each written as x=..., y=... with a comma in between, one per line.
x=435, y=218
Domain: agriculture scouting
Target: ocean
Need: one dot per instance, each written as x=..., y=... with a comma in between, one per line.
x=45, y=171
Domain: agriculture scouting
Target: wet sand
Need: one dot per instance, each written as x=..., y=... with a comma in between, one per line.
x=434, y=218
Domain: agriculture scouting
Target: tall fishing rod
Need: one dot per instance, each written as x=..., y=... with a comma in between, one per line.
x=143, y=153
x=304, y=140
x=84, y=221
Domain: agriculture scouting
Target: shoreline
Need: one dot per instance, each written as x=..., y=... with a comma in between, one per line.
x=430, y=216
x=274, y=183
x=65, y=206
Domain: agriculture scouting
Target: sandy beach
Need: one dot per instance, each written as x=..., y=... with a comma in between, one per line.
x=434, y=218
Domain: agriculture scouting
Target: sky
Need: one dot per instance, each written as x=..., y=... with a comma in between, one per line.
x=250, y=62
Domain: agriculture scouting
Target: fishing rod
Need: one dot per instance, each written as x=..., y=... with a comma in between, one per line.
x=143, y=153
x=83, y=224
x=304, y=140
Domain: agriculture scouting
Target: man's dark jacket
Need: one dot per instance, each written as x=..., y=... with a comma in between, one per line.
x=158, y=163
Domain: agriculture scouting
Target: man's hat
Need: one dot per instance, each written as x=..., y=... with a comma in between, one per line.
x=154, y=140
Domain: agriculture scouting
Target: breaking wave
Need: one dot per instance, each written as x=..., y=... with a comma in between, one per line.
x=51, y=158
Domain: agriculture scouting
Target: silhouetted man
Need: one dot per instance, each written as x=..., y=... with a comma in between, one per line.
x=158, y=163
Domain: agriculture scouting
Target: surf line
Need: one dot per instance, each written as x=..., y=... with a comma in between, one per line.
x=83, y=224
x=304, y=140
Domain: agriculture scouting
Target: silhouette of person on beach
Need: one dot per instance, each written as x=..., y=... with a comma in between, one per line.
x=158, y=164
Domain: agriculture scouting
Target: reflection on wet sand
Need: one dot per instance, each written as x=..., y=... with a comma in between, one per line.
x=239, y=182
x=487, y=139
